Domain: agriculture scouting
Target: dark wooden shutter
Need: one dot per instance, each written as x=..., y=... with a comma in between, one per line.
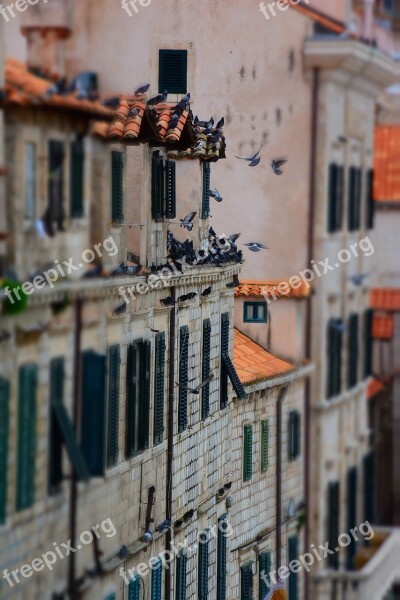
x=27, y=382
x=351, y=514
x=333, y=521
x=293, y=555
x=56, y=397
x=334, y=352
x=264, y=445
x=294, y=434
x=233, y=376
x=172, y=75
x=264, y=568
x=205, y=202
x=180, y=581
x=131, y=399
x=114, y=361
x=93, y=411
x=332, y=197
x=246, y=582
x=368, y=342
x=183, y=376
x=203, y=571
x=157, y=188
x=76, y=179
x=170, y=200
x=353, y=351
x=224, y=352
x=4, y=421
x=354, y=198
x=56, y=181
x=159, y=389
x=221, y=558
x=134, y=589
x=156, y=580
x=205, y=369
x=144, y=395
x=117, y=195
x=369, y=487
x=369, y=209
x=339, y=197
x=338, y=357
x=247, y=452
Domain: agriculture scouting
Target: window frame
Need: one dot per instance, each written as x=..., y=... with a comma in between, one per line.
x=247, y=305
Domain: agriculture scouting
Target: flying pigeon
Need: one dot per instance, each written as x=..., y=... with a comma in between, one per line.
x=216, y=195
x=119, y=310
x=276, y=164
x=186, y=222
x=142, y=90
x=253, y=160
x=197, y=389
x=158, y=99
x=256, y=247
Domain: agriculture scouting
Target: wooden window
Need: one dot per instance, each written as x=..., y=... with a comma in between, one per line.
x=183, y=376
x=159, y=366
x=172, y=74
x=246, y=582
x=76, y=179
x=138, y=397
x=114, y=361
x=254, y=312
x=93, y=411
x=353, y=351
x=203, y=569
x=30, y=180
x=333, y=522
x=221, y=558
x=205, y=369
x=26, y=436
x=205, y=199
x=117, y=181
x=294, y=434
x=264, y=443
x=247, y=452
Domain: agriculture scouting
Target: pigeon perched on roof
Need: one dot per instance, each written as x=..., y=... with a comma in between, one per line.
x=276, y=164
x=173, y=122
x=169, y=301
x=142, y=89
x=158, y=99
x=186, y=98
x=112, y=102
x=253, y=160
x=216, y=195
x=256, y=246
x=133, y=112
x=207, y=291
x=220, y=123
x=186, y=222
x=234, y=283
x=200, y=144
x=233, y=237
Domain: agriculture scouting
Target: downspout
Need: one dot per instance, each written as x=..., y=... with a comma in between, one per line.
x=170, y=442
x=308, y=323
x=278, y=536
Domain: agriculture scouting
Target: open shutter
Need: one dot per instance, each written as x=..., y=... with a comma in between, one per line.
x=221, y=559
x=333, y=521
x=131, y=399
x=144, y=395
x=332, y=197
x=56, y=398
x=183, y=376
x=293, y=555
x=4, y=417
x=134, y=589
x=351, y=514
x=172, y=74
x=247, y=452
x=157, y=188
x=156, y=580
x=27, y=381
x=205, y=202
x=368, y=342
x=159, y=389
x=117, y=199
x=114, y=361
x=369, y=209
x=264, y=568
x=246, y=583
x=233, y=376
x=353, y=350
x=205, y=369
x=369, y=487
x=203, y=571
x=180, y=582
x=92, y=411
x=76, y=179
x=264, y=445
x=224, y=352
x=170, y=208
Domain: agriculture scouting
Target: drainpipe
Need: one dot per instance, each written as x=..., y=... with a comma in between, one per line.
x=308, y=323
x=170, y=442
x=278, y=536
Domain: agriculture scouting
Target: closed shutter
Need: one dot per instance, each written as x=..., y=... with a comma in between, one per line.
x=76, y=179
x=354, y=198
x=93, y=411
x=134, y=589
x=338, y=356
x=221, y=559
x=369, y=210
x=157, y=188
x=264, y=569
x=247, y=452
x=334, y=350
x=183, y=376
x=56, y=398
x=27, y=382
x=333, y=521
x=339, y=197
x=131, y=399
x=170, y=208
x=30, y=180
x=144, y=395
x=224, y=352
x=203, y=571
x=159, y=388
x=117, y=197
x=293, y=434
x=332, y=197
x=156, y=581
x=205, y=202
x=264, y=445
x=4, y=416
x=205, y=370
x=292, y=583
x=172, y=75
x=353, y=351
x=368, y=342
x=114, y=361
x=369, y=487
x=351, y=514
x=180, y=582
x=246, y=583
x=357, y=209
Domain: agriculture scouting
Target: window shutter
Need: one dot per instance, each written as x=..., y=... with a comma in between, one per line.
x=30, y=180
x=351, y=514
x=338, y=357
x=369, y=212
x=170, y=209
x=172, y=75
x=56, y=398
x=221, y=560
x=368, y=342
x=144, y=395
x=331, y=360
x=224, y=352
x=180, y=590
x=76, y=179
x=233, y=376
x=354, y=198
x=55, y=185
x=4, y=416
x=264, y=568
x=292, y=584
x=246, y=581
x=205, y=203
x=114, y=361
x=294, y=434
x=183, y=376
x=131, y=398
x=369, y=487
x=203, y=571
x=247, y=452
x=92, y=411
x=205, y=370
x=339, y=197
x=134, y=589
x=358, y=198
x=110, y=597
x=159, y=388
x=157, y=188
x=332, y=197
x=156, y=579
x=353, y=350
x=117, y=198
x=26, y=436
x=333, y=521
x=264, y=445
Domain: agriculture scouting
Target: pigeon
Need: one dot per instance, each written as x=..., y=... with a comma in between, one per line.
x=199, y=145
x=93, y=272
x=133, y=112
x=276, y=164
x=186, y=98
x=154, y=113
x=220, y=123
x=142, y=90
x=338, y=326
x=173, y=122
x=197, y=389
x=186, y=222
x=119, y=310
x=216, y=195
x=158, y=99
x=234, y=283
x=232, y=238
x=358, y=278
x=186, y=297
x=169, y=301
x=123, y=552
x=112, y=102
x=207, y=291
x=253, y=160
x=256, y=247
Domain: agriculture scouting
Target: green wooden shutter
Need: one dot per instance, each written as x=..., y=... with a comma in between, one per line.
x=247, y=452
x=114, y=361
x=157, y=188
x=264, y=568
x=183, y=376
x=27, y=382
x=292, y=583
x=368, y=342
x=246, y=582
x=369, y=212
x=117, y=195
x=172, y=73
x=351, y=514
x=224, y=352
x=332, y=197
x=134, y=589
x=264, y=445
x=205, y=369
x=56, y=397
x=203, y=571
x=369, y=487
x=144, y=395
x=180, y=581
x=4, y=417
x=294, y=434
x=76, y=179
x=205, y=202
x=93, y=411
x=156, y=580
x=333, y=521
x=170, y=208
x=131, y=399
x=221, y=559
x=353, y=351
x=159, y=389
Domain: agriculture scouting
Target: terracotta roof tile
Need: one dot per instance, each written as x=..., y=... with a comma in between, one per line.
x=374, y=387
x=382, y=326
x=258, y=289
x=319, y=17
x=385, y=299
x=387, y=163
x=253, y=363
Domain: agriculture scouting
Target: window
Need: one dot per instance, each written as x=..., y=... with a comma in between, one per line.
x=76, y=179
x=203, y=569
x=134, y=589
x=55, y=442
x=205, y=199
x=247, y=452
x=353, y=351
x=351, y=514
x=369, y=212
x=92, y=411
x=369, y=487
x=114, y=361
x=333, y=522
x=368, y=342
x=26, y=435
x=294, y=434
x=183, y=376
x=172, y=75
x=264, y=569
x=255, y=312
x=30, y=180
x=55, y=188
x=205, y=369
x=4, y=416
x=334, y=349
x=246, y=582
x=117, y=179
x=137, y=397
x=156, y=580
x=335, y=197
x=292, y=583
x=163, y=188
x=353, y=199
x=159, y=365
x=221, y=558
x=180, y=583
x=264, y=445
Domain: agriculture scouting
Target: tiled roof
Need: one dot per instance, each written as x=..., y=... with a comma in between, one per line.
x=23, y=88
x=387, y=163
x=374, y=387
x=258, y=289
x=385, y=299
x=319, y=17
x=382, y=326
x=253, y=363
